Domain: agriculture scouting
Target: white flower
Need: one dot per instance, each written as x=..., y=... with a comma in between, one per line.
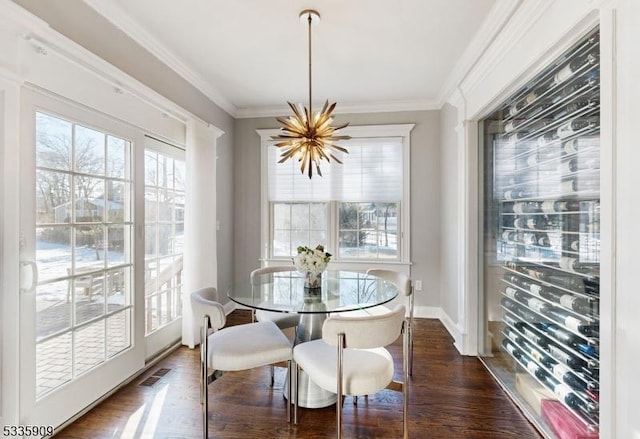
x=310, y=260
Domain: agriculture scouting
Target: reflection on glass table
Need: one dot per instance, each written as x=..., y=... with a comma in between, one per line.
x=341, y=291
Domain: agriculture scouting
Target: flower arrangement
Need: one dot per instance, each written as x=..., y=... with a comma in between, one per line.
x=312, y=262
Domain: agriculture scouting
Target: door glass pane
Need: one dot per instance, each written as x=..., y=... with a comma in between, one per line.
x=116, y=157
x=164, y=238
x=83, y=248
x=118, y=332
x=53, y=363
x=88, y=344
x=89, y=151
x=53, y=142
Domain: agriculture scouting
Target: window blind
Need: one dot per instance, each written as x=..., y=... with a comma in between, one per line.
x=372, y=171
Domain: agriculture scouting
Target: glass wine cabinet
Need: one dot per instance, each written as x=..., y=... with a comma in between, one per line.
x=541, y=243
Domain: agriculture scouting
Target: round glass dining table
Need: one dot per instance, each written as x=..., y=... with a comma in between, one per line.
x=284, y=292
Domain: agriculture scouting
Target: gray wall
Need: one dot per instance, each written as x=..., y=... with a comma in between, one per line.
x=425, y=193
x=80, y=23
x=450, y=215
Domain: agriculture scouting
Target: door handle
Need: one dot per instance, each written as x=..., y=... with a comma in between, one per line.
x=28, y=278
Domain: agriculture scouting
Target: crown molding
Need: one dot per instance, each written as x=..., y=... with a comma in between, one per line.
x=123, y=21
x=37, y=33
x=490, y=29
x=515, y=26
x=345, y=108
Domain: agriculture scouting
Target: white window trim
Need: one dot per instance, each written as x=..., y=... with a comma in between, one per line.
x=362, y=131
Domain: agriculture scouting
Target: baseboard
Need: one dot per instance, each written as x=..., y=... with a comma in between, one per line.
x=454, y=330
x=427, y=312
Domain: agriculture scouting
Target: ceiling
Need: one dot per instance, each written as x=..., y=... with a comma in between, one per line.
x=250, y=56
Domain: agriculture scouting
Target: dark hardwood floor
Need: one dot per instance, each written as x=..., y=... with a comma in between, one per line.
x=451, y=396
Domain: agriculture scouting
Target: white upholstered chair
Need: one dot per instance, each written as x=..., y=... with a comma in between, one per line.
x=233, y=348
x=351, y=358
x=403, y=282
x=282, y=319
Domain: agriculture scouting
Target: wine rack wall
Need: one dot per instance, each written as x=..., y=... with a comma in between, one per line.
x=545, y=169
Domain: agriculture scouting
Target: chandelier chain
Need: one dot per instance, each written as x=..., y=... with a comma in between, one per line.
x=309, y=32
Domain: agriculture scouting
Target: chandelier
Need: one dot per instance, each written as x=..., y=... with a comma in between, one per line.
x=309, y=136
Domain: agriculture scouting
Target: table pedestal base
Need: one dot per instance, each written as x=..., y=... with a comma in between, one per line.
x=312, y=396
x=310, y=328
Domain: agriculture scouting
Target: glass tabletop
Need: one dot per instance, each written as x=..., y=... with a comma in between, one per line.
x=340, y=291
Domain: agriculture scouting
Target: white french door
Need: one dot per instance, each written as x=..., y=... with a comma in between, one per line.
x=164, y=202
x=81, y=328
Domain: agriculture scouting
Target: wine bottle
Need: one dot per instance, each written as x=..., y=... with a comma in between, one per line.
x=548, y=138
x=516, y=107
x=588, y=81
x=512, y=125
x=576, y=124
x=573, y=244
x=514, y=194
x=580, y=144
x=528, y=348
x=539, y=239
x=522, y=207
x=550, y=294
x=587, y=328
x=580, y=304
x=566, y=394
x=570, y=360
x=566, y=338
x=533, y=337
x=534, y=369
x=540, y=107
x=509, y=320
x=510, y=305
x=515, y=294
x=528, y=316
x=567, y=281
x=536, y=273
x=566, y=375
x=579, y=185
x=572, y=67
x=540, y=124
x=591, y=285
x=509, y=347
x=575, y=165
x=574, y=265
x=591, y=372
x=512, y=335
x=574, y=106
x=555, y=206
x=537, y=305
x=510, y=236
x=508, y=220
x=525, y=284
x=516, y=136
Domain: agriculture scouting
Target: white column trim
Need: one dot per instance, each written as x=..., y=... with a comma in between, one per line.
x=200, y=259
x=9, y=250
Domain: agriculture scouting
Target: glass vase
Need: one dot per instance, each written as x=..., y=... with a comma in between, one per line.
x=313, y=280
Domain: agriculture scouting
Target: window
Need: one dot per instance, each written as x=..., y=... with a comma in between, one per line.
x=358, y=210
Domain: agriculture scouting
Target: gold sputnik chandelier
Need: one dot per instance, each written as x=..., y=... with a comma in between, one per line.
x=309, y=136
